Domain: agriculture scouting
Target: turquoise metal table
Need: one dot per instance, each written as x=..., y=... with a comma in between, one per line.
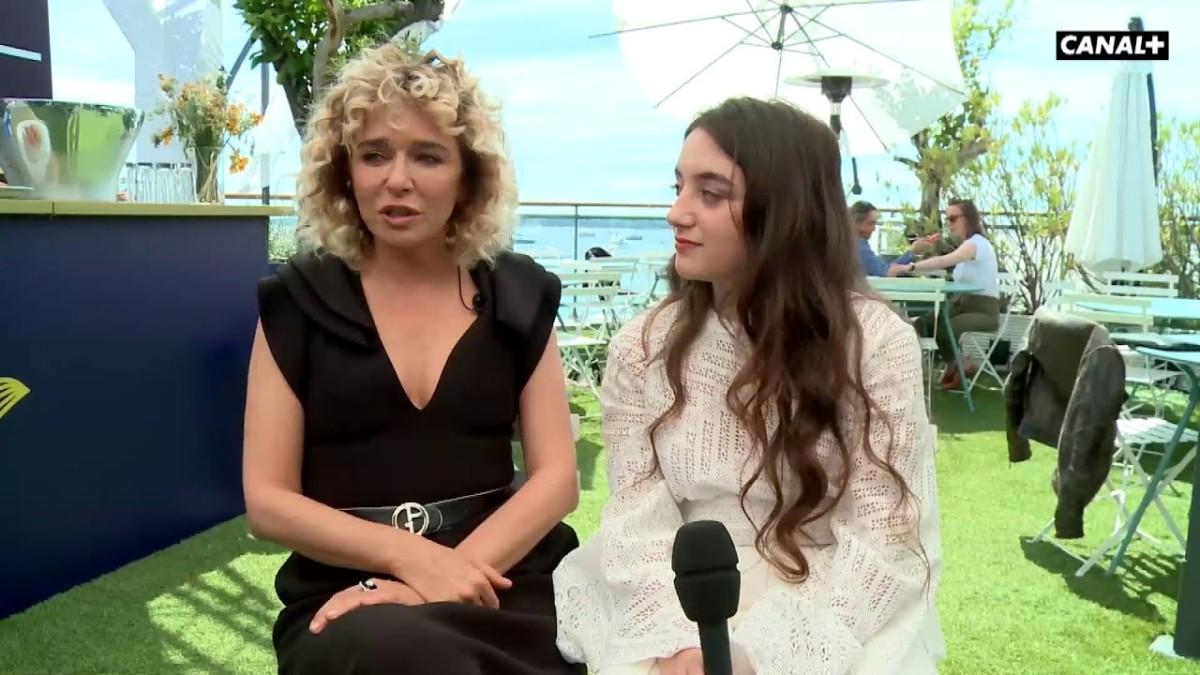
x=906, y=284
x=1167, y=309
x=1186, y=641
x=950, y=288
x=1174, y=342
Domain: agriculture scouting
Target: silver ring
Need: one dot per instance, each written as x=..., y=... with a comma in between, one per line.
x=367, y=585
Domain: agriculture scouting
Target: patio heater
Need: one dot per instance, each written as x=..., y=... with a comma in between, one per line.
x=836, y=85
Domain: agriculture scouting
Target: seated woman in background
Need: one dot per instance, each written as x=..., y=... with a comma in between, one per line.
x=974, y=263
x=771, y=392
x=385, y=379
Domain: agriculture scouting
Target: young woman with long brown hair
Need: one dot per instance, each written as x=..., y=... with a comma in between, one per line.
x=772, y=392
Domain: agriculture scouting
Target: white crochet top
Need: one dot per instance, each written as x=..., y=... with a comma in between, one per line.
x=866, y=601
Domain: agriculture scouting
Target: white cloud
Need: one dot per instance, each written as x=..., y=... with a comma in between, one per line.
x=1024, y=67
x=580, y=122
x=1047, y=17
x=501, y=10
x=580, y=128
x=585, y=78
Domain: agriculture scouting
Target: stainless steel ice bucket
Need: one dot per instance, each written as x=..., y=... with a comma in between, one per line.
x=66, y=150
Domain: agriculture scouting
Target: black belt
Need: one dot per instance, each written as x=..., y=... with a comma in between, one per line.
x=435, y=516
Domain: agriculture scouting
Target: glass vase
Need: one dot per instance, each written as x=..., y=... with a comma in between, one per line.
x=209, y=175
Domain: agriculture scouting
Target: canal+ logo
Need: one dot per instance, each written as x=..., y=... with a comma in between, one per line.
x=1112, y=45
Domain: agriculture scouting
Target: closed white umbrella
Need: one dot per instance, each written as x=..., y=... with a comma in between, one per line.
x=689, y=55
x=1114, y=223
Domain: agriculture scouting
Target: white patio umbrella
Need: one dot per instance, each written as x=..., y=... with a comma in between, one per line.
x=1114, y=223
x=689, y=55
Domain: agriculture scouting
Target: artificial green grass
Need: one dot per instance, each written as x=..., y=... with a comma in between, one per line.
x=1007, y=604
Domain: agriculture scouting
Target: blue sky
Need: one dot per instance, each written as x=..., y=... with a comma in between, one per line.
x=580, y=128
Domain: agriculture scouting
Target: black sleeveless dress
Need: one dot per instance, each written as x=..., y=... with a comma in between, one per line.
x=366, y=444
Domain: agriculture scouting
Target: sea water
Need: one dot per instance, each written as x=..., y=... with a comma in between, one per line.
x=551, y=239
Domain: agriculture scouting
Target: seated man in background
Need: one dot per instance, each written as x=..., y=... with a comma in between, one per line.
x=864, y=216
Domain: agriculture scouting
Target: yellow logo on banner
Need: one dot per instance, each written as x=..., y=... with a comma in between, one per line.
x=11, y=392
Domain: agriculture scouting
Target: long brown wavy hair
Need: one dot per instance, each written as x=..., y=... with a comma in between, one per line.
x=794, y=303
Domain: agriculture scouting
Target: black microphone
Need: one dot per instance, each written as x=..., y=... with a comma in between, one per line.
x=708, y=584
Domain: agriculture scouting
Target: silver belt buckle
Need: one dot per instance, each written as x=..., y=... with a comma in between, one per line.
x=411, y=516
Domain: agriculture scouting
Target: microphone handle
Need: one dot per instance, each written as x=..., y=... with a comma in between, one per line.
x=714, y=648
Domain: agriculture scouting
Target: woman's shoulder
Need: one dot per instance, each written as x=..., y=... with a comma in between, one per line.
x=881, y=324
x=984, y=249
x=321, y=287
x=513, y=267
x=980, y=241
x=525, y=294
x=299, y=267
x=643, y=336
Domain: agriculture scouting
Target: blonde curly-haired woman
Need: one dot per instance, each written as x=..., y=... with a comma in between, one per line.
x=387, y=372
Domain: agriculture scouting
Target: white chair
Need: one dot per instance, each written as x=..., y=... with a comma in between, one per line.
x=1131, y=314
x=1052, y=290
x=589, y=314
x=978, y=346
x=1141, y=284
x=921, y=291
x=1133, y=435
x=565, y=265
x=593, y=299
x=653, y=267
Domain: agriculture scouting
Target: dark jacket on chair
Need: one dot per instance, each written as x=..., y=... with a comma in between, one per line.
x=1066, y=389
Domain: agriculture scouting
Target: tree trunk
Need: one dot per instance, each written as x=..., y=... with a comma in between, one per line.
x=931, y=200
x=934, y=177
x=298, y=102
x=400, y=13
x=329, y=44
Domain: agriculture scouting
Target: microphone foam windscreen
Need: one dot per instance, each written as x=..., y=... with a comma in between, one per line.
x=701, y=546
x=706, y=576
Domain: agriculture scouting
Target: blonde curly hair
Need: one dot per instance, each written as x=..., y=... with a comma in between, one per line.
x=387, y=75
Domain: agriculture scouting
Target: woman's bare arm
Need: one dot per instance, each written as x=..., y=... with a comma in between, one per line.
x=551, y=489
x=965, y=252
x=275, y=507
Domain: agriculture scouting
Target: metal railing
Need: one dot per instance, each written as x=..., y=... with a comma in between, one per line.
x=576, y=209
x=578, y=213
x=888, y=239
